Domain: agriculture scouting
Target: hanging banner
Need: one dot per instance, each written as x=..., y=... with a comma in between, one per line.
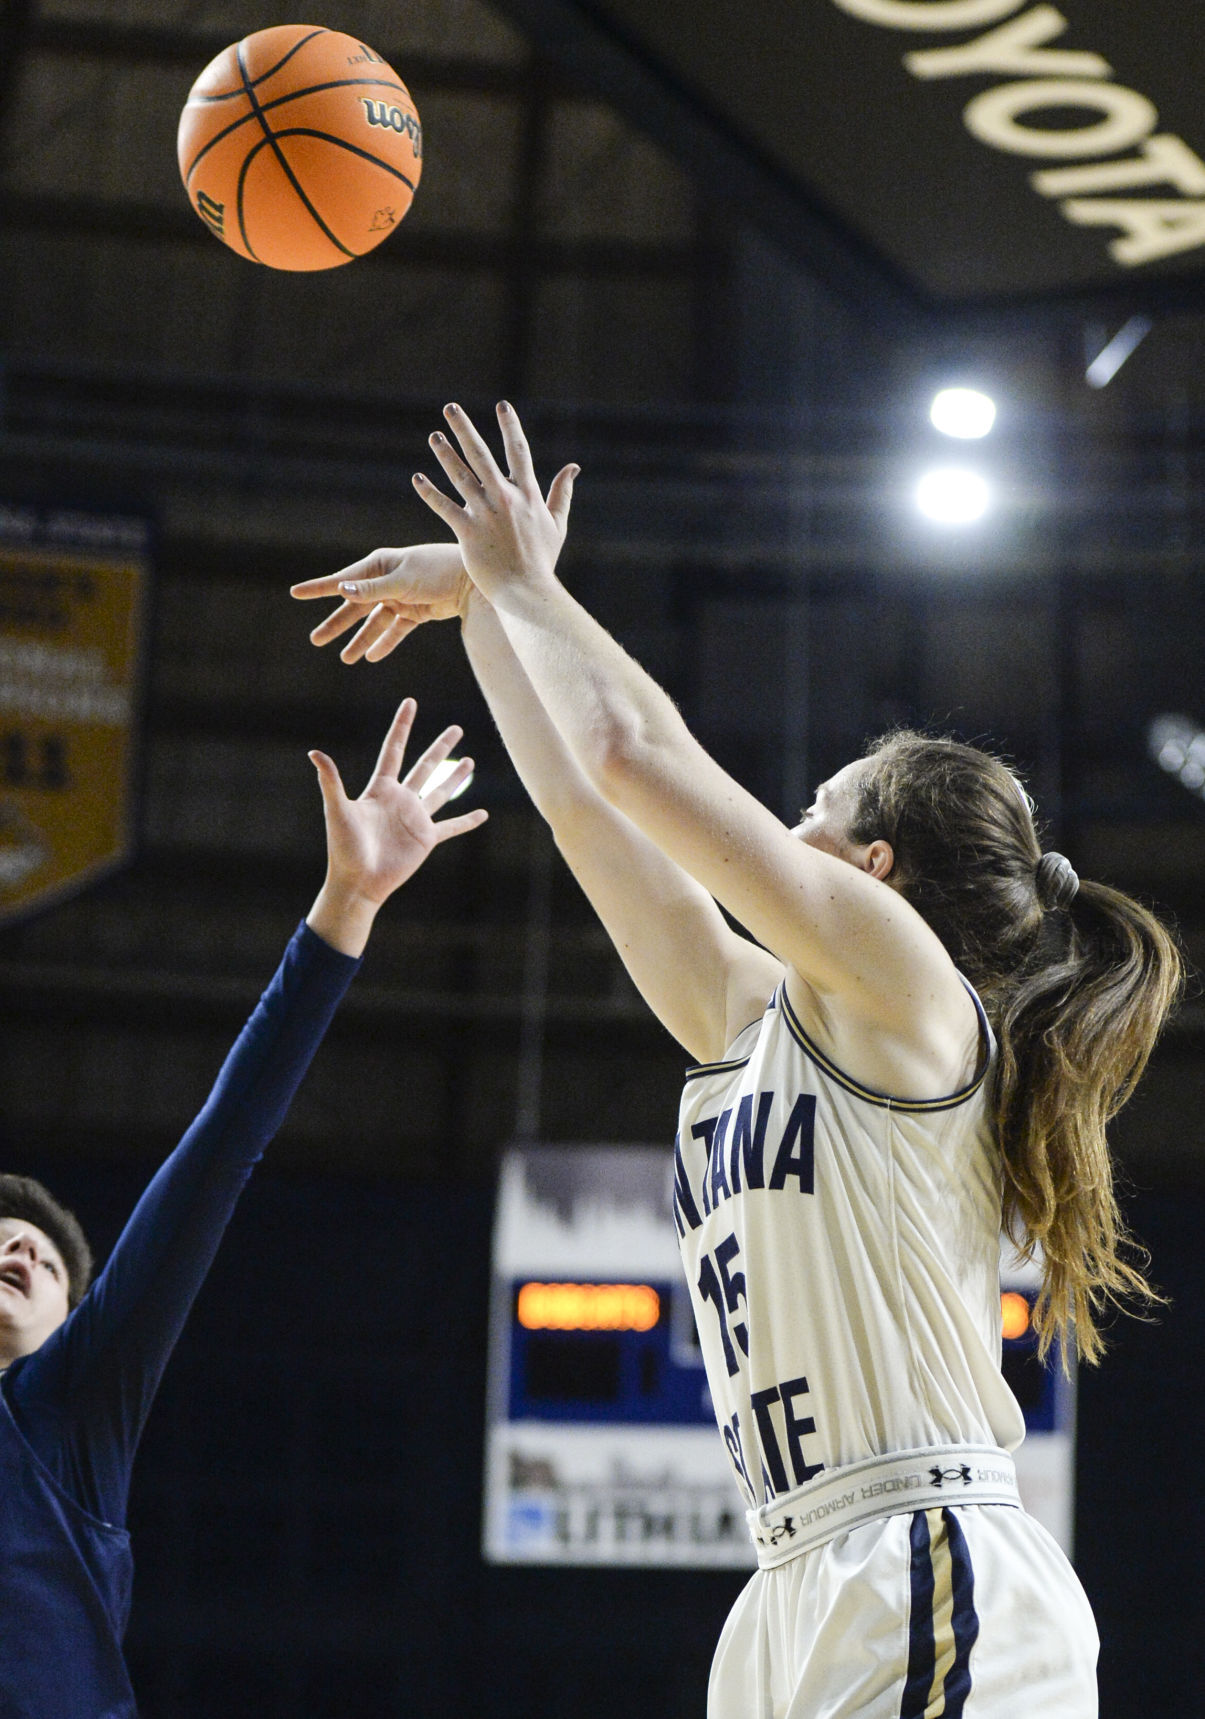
x=72, y=600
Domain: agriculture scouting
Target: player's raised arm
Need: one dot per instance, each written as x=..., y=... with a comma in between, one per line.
x=702, y=980
x=854, y=942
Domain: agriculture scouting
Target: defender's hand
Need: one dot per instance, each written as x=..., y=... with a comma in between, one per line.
x=376, y=842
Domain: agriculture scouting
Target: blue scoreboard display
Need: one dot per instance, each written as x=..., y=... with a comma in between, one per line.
x=601, y=1445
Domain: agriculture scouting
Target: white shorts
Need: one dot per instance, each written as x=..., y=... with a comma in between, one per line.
x=968, y=1612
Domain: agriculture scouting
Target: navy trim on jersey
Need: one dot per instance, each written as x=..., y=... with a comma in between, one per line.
x=941, y=1585
x=965, y=1618
x=725, y=1064
x=717, y=1067
x=919, y=1105
x=919, y=1679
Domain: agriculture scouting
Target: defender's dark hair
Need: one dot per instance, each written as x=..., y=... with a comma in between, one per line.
x=23, y=1198
x=1077, y=984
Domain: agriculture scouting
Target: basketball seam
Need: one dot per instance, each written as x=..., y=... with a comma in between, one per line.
x=270, y=137
x=303, y=131
x=279, y=101
x=343, y=143
x=229, y=95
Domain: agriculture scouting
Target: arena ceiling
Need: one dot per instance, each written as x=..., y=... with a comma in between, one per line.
x=970, y=151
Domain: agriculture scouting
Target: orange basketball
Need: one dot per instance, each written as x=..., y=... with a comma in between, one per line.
x=300, y=148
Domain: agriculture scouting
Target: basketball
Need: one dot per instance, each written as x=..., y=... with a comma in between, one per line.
x=299, y=147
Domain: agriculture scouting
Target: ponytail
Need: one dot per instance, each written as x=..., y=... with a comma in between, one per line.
x=1075, y=1034
x=1077, y=980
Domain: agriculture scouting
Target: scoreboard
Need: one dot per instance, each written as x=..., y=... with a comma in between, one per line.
x=601, y=1445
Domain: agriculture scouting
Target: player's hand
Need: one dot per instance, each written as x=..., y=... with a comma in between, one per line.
x=398, y=589
x=506, y=528
x=374, y=843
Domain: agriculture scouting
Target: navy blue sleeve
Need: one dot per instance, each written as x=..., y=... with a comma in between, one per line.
x=82, y=1399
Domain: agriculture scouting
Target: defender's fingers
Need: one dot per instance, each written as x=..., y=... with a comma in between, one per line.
x=439, y=789
x=368, y=634
x=449, y=827
x=393, y=747
x=418, y=773
x=474, y=448
x=560, y=496
x=329, y=781
x=518, y=453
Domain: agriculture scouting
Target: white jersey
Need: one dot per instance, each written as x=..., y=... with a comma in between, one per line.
x=842, y=1252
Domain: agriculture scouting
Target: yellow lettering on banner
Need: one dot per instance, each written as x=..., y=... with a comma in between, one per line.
x=1154, y=227
x=994, y=118
x=930, y=14
x=70, y=625
x=1016, y=49
x=1162, y=160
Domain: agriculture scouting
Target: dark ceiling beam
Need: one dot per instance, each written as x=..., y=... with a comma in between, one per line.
x=107, y=998
x=734, y=174
x=18, y=21
x=148, y=45
x=154, y=223
x=524, y=272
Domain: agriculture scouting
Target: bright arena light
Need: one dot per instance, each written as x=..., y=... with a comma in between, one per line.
x=953, y=496
x=1177, y=745
x=440, y=774
x=962, y=412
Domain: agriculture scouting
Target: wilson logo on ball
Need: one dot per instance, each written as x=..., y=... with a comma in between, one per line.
x=214, y=214
x=396, y=118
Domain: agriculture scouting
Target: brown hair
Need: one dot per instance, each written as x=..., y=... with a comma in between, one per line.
x=1077, y=984
x=23, y=1198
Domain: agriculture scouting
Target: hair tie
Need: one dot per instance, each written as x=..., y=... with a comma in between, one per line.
x=1057, y=880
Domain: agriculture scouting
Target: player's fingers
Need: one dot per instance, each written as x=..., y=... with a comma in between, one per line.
x=327, y=586
x=560, y=496
x=462, y=476
x=449, y=511
x=367, y=567
x=393, y=747
x=399, y=628
x=449, y=827
x=474, y=449
x=337, y=623
x=518, y=453
x=368, y=634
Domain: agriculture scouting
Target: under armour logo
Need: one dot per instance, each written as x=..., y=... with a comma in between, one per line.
x=939, y=1476
x=785, y=1530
